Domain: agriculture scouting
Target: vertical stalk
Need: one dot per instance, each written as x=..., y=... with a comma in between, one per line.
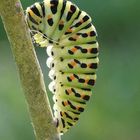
x=29, y=70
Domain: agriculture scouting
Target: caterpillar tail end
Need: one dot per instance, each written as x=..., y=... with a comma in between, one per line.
x=60, y=130
x=56, y=122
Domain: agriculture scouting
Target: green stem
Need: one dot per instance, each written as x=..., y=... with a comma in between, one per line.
x=29, y=70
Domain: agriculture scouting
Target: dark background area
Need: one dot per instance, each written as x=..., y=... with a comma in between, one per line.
x=114, y=109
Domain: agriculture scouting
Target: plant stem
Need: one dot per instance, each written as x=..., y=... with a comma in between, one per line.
x=29, y=70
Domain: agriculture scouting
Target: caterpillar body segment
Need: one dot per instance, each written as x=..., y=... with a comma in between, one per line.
x=74, y=65
x=72, y=47
x=73, y=51
x=82, y=20
x=69, y=14
x=85, y=35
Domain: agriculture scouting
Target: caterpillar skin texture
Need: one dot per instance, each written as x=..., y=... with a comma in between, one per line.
x=71, y=43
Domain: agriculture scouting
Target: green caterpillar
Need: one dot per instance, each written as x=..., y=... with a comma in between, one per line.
x=71, y=43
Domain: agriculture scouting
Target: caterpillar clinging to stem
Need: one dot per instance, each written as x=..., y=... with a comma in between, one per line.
x=70, y=39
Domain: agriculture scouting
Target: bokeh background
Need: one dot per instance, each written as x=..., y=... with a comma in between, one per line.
x=114, y=109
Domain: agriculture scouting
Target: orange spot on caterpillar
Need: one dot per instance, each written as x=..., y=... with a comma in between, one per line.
x=89, y=50
x=62, y=113
x=49, y=16
x=31, y=13
x=72, y=77
x=88, y=33
x=61, y=22
x=77, y=108
x=35, y=17
x=76, y=37
x=82, y=96
x=69, y=91
x=69, y=30
x=89, y=65
x=73, y=63
x=65, y=103
x=74, y=50
x=81, y=21
x=86, y=81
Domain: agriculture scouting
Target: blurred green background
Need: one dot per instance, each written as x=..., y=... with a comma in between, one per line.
x=114, y=109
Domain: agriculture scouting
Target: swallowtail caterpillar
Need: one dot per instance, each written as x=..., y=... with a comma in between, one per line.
x=70, y=39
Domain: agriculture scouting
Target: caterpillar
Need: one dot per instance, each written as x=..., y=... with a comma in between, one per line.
x=70, y=38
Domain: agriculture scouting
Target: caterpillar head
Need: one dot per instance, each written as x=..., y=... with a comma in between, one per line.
x=34, y=19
